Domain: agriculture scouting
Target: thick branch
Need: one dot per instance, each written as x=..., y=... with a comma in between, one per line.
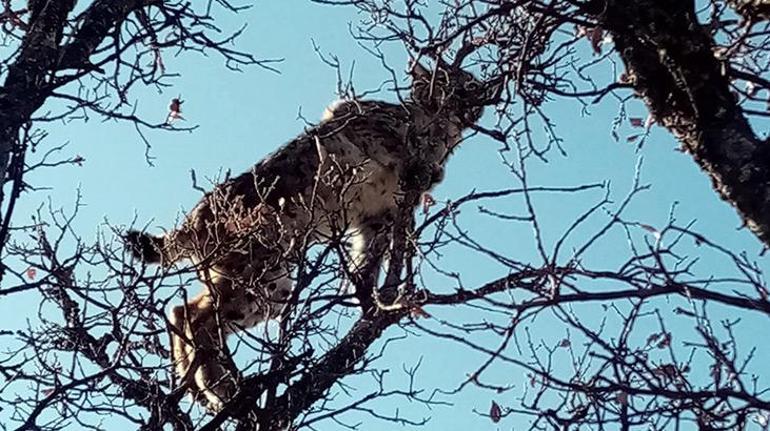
x=26, y=78
x=29, y=79
x=96, y=23
x=672, y=66
x=164, y=408
x=338, y=362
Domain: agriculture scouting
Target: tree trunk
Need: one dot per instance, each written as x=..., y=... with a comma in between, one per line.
x=670, y=60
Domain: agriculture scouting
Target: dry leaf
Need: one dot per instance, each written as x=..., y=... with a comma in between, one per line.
x=495, y=412
x=665, y=341
x=597, y=34
x=175, y=110
x=648, y=228
x=427, y=202
x=31, y=273
x=175, y=106
x=652, y=230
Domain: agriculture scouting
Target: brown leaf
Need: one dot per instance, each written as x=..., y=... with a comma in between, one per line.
x=175, y=106
x=597, y=34
x=495, y=412
x=667, y=370
x=636, y=122
x=665, y=341
x=565, y=343
x=648, y=228
x=427, y=202
x=31, y=273
x=174, y=110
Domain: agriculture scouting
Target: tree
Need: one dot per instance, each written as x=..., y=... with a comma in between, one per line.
x=650, y=338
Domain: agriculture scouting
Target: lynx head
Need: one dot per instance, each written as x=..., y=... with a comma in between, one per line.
x=450, y=91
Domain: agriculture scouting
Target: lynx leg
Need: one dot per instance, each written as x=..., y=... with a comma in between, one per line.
x=179, y=355
x=263, y=300
x=279, y=292
x=369, y=243
x=201, y=357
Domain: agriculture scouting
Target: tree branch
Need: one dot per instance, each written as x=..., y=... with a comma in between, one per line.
x=671, y=63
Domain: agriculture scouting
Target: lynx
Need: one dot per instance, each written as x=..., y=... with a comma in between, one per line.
x=344, y=175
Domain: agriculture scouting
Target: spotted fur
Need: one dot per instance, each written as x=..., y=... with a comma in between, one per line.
x=343, y=176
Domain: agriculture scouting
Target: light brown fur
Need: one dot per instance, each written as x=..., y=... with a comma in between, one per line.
x=344, y=176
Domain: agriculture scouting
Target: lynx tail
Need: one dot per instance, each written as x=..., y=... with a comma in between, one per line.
x=146, y=247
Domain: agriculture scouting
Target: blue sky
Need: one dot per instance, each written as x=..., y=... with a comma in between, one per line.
x=244, y=116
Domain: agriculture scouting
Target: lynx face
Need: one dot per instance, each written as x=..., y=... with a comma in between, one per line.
x=450, y=91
